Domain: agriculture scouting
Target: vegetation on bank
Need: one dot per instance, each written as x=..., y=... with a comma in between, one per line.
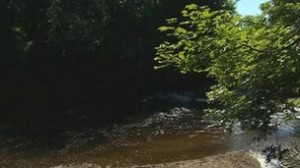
x=254, y=59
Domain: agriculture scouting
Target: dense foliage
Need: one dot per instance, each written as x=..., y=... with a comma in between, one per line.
x=255, y=60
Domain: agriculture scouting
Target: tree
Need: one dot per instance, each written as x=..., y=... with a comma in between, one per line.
x=254, y=60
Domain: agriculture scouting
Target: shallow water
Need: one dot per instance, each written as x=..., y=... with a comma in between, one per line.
x=173, y=135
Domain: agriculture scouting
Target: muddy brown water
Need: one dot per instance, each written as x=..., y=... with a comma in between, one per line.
x=174, y=135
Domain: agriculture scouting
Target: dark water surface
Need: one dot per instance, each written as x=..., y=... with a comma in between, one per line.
x=172, y=135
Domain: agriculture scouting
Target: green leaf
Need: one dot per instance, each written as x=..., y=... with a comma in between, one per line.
x=165, y=28
x=191, y=6
x=180, y=30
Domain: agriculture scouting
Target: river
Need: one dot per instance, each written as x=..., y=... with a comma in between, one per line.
x=162, y=136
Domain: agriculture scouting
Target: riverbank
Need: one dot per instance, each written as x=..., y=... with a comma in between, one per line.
x=238, y=159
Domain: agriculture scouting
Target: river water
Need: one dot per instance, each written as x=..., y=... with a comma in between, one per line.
x=163, y=136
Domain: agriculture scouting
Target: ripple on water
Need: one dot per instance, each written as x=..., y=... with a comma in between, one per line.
x=177, y=134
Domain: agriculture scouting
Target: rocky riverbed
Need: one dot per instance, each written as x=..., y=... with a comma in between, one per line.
x=235, y=159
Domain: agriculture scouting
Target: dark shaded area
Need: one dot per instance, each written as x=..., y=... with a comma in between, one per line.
x=95, y=57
